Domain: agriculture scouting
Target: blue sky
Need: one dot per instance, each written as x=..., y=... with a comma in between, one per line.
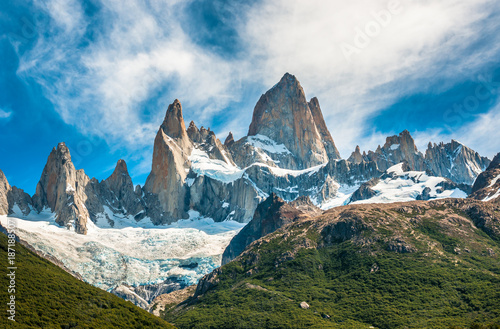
x=100, y=74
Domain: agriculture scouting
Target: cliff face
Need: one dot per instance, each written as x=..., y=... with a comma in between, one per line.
x=326, y=138
x=172, y=148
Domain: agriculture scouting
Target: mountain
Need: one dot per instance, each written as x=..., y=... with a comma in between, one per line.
x=297, y=130
x=421, y=264
x=48, y=297
x=487, y=184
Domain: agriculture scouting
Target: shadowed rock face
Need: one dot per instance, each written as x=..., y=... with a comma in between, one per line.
x=487, y=184
x=123, y=194
x=270, y=215
x=283, y=115
x=326, y=138
x=11, y=196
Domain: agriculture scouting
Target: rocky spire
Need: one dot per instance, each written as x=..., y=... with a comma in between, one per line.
x=173, y=125
x=124, y=196
x=398, y=148
x=229, y=140
x=356, y=156
x=62, y=189
x=283, y=115
x=327, y=139
x=194, y=133
x=172, y=148
x=13, y=198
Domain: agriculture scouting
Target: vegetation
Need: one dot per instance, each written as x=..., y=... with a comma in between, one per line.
x=48, y=297
x=450, y=279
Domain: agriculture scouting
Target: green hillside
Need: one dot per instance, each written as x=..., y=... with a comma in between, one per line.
x=416, y=265
x=48, y=297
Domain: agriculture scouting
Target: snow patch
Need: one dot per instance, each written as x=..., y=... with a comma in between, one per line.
x=266, y=144
x=213, y=168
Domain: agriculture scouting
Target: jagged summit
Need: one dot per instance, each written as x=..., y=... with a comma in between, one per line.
x=229, y=139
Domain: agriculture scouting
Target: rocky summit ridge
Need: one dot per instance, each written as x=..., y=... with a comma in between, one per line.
x=288, y=152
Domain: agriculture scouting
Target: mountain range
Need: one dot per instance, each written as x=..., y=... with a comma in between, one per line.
x=288, y=151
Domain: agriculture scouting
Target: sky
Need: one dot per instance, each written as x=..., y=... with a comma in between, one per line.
x=99, y=74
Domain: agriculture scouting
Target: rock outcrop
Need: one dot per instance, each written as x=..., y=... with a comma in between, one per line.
x=487, y=185
x=62, y=189
x=269, y=216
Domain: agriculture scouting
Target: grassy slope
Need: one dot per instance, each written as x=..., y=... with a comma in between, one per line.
x=435, y=287
x=48, y=297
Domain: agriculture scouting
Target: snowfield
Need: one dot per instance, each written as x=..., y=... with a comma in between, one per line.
x=408, y=185
x=133, y=255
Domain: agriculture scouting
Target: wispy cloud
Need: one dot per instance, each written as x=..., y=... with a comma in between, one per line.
x=113, y=74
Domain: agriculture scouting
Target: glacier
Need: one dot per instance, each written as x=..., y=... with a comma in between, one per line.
x=135, y=254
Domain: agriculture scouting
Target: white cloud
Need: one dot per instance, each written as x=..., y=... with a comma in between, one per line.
x=5, y=114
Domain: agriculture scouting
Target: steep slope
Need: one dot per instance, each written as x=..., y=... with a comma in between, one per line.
x=269, y=216
x=487, y=185
x=406, y=265
x=48, y=297
x=283, y=115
